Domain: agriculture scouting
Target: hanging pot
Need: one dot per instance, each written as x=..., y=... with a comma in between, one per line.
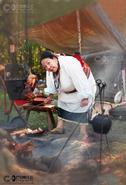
x=101, y=124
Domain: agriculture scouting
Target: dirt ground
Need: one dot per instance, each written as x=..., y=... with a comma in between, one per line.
x=111, y=172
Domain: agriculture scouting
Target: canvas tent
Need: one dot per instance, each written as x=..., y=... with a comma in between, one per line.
x=97, y=29
x=82, y=27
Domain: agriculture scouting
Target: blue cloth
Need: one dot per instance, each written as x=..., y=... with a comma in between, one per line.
x=76, y=117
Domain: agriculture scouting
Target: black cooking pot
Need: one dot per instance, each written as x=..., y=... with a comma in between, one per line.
x=101, y=123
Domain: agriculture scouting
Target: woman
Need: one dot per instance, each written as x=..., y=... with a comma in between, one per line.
x=76, y=93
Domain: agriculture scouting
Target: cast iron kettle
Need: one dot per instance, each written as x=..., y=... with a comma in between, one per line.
x=101, y=123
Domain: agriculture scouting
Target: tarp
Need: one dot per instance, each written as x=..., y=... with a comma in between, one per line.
x=98, y=30
x=84, y=28
x=43, y=11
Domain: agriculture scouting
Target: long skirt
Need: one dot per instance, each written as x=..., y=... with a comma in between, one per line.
x=75, y=117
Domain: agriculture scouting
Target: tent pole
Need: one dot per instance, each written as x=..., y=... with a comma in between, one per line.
x=79, y=30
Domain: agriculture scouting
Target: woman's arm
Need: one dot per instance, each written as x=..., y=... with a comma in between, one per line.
x=48, y=99
x=84, y=102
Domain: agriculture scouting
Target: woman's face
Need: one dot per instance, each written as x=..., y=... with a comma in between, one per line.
x=50, y=64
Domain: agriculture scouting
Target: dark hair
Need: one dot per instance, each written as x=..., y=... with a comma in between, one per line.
x=46, y=54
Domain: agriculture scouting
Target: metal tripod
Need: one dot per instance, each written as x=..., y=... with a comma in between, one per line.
x=101, y=85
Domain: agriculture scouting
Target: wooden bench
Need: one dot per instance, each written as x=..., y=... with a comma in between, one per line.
x=49, y=108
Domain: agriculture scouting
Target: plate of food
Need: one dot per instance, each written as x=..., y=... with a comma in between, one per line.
x=38, y=100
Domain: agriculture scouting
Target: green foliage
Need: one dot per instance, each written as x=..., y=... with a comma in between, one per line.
x=12, y=22
x=36, y=49
x=4, y=56
x=6, y=28
x=29, y=53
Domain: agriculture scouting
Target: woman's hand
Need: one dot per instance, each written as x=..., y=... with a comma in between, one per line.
x=84, y=102
x=48, y=99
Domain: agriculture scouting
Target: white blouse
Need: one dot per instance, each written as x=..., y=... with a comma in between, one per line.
x=72, y=77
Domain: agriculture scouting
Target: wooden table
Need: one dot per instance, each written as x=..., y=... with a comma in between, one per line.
x=49, y=108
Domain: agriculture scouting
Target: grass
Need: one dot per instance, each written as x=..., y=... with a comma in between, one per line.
x=35, y=120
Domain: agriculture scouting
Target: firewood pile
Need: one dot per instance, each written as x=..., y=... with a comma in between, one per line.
x=27, y=132
x=6, y=140
x=9, y=140
x=23, y=148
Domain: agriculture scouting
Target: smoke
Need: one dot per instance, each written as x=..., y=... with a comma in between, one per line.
x=107, y=67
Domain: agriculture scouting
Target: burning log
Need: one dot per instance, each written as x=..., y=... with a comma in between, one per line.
x=24, y=149
x=28, y=132
x=10, y=143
